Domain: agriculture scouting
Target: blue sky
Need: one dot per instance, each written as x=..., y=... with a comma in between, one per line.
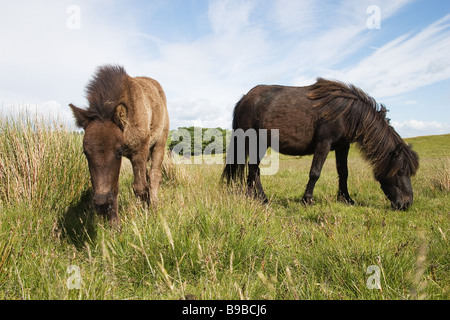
x=207, y=54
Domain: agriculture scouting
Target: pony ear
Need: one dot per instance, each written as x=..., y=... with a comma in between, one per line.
x=397, y=151
x=81, y=117
x=120, y=116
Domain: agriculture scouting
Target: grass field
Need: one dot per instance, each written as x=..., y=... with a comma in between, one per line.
x=211, y=242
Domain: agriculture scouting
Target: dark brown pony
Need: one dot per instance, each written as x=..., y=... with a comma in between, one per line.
x=317, y=119
x=126, y=117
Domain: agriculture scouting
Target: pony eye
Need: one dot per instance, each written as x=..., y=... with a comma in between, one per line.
x=119, y=153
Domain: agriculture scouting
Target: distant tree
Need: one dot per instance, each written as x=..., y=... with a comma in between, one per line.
x=211, y=140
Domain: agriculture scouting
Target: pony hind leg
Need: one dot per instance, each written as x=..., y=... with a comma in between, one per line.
x=254, y=186
x=342, y=169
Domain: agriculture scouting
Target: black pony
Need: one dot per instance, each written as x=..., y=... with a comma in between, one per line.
x=317, y=119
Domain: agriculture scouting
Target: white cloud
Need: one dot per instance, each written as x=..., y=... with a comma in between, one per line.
x=414, y=127
x=204, y=78
x=42, y=59
x=49, y=111
x=203, y=113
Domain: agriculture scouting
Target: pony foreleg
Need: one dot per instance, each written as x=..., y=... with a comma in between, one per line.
x=342, y=169
x=320, y=155
x=155, y=174
x=140, y=185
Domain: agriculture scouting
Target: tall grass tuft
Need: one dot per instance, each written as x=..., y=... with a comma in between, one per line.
x=441, y=175
x=37, y=160
x=5, y=255
x=171, y=172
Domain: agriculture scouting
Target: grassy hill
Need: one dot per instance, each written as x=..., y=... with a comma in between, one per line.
x=212, y=242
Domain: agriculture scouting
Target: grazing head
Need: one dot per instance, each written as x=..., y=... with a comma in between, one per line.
x=103, y=143
x=395, y=178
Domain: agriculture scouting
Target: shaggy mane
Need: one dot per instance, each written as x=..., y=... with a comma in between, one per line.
x=104, y=90
x=368, y=126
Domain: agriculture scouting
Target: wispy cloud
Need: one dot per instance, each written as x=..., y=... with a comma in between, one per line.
x=243, y=51
x=230, y=16
x=296, y=16
x=405, y=63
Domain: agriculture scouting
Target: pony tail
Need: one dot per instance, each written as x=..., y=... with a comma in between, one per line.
x=235, y=172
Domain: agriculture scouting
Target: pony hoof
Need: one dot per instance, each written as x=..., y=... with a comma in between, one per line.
x=115, y=222
x=143, y=197
x=307, y=201
x=346, y=200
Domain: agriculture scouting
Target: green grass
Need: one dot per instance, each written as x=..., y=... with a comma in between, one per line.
x=212, y=242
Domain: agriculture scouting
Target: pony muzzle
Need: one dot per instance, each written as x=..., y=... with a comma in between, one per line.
x=405, y=204
x=103, y=202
